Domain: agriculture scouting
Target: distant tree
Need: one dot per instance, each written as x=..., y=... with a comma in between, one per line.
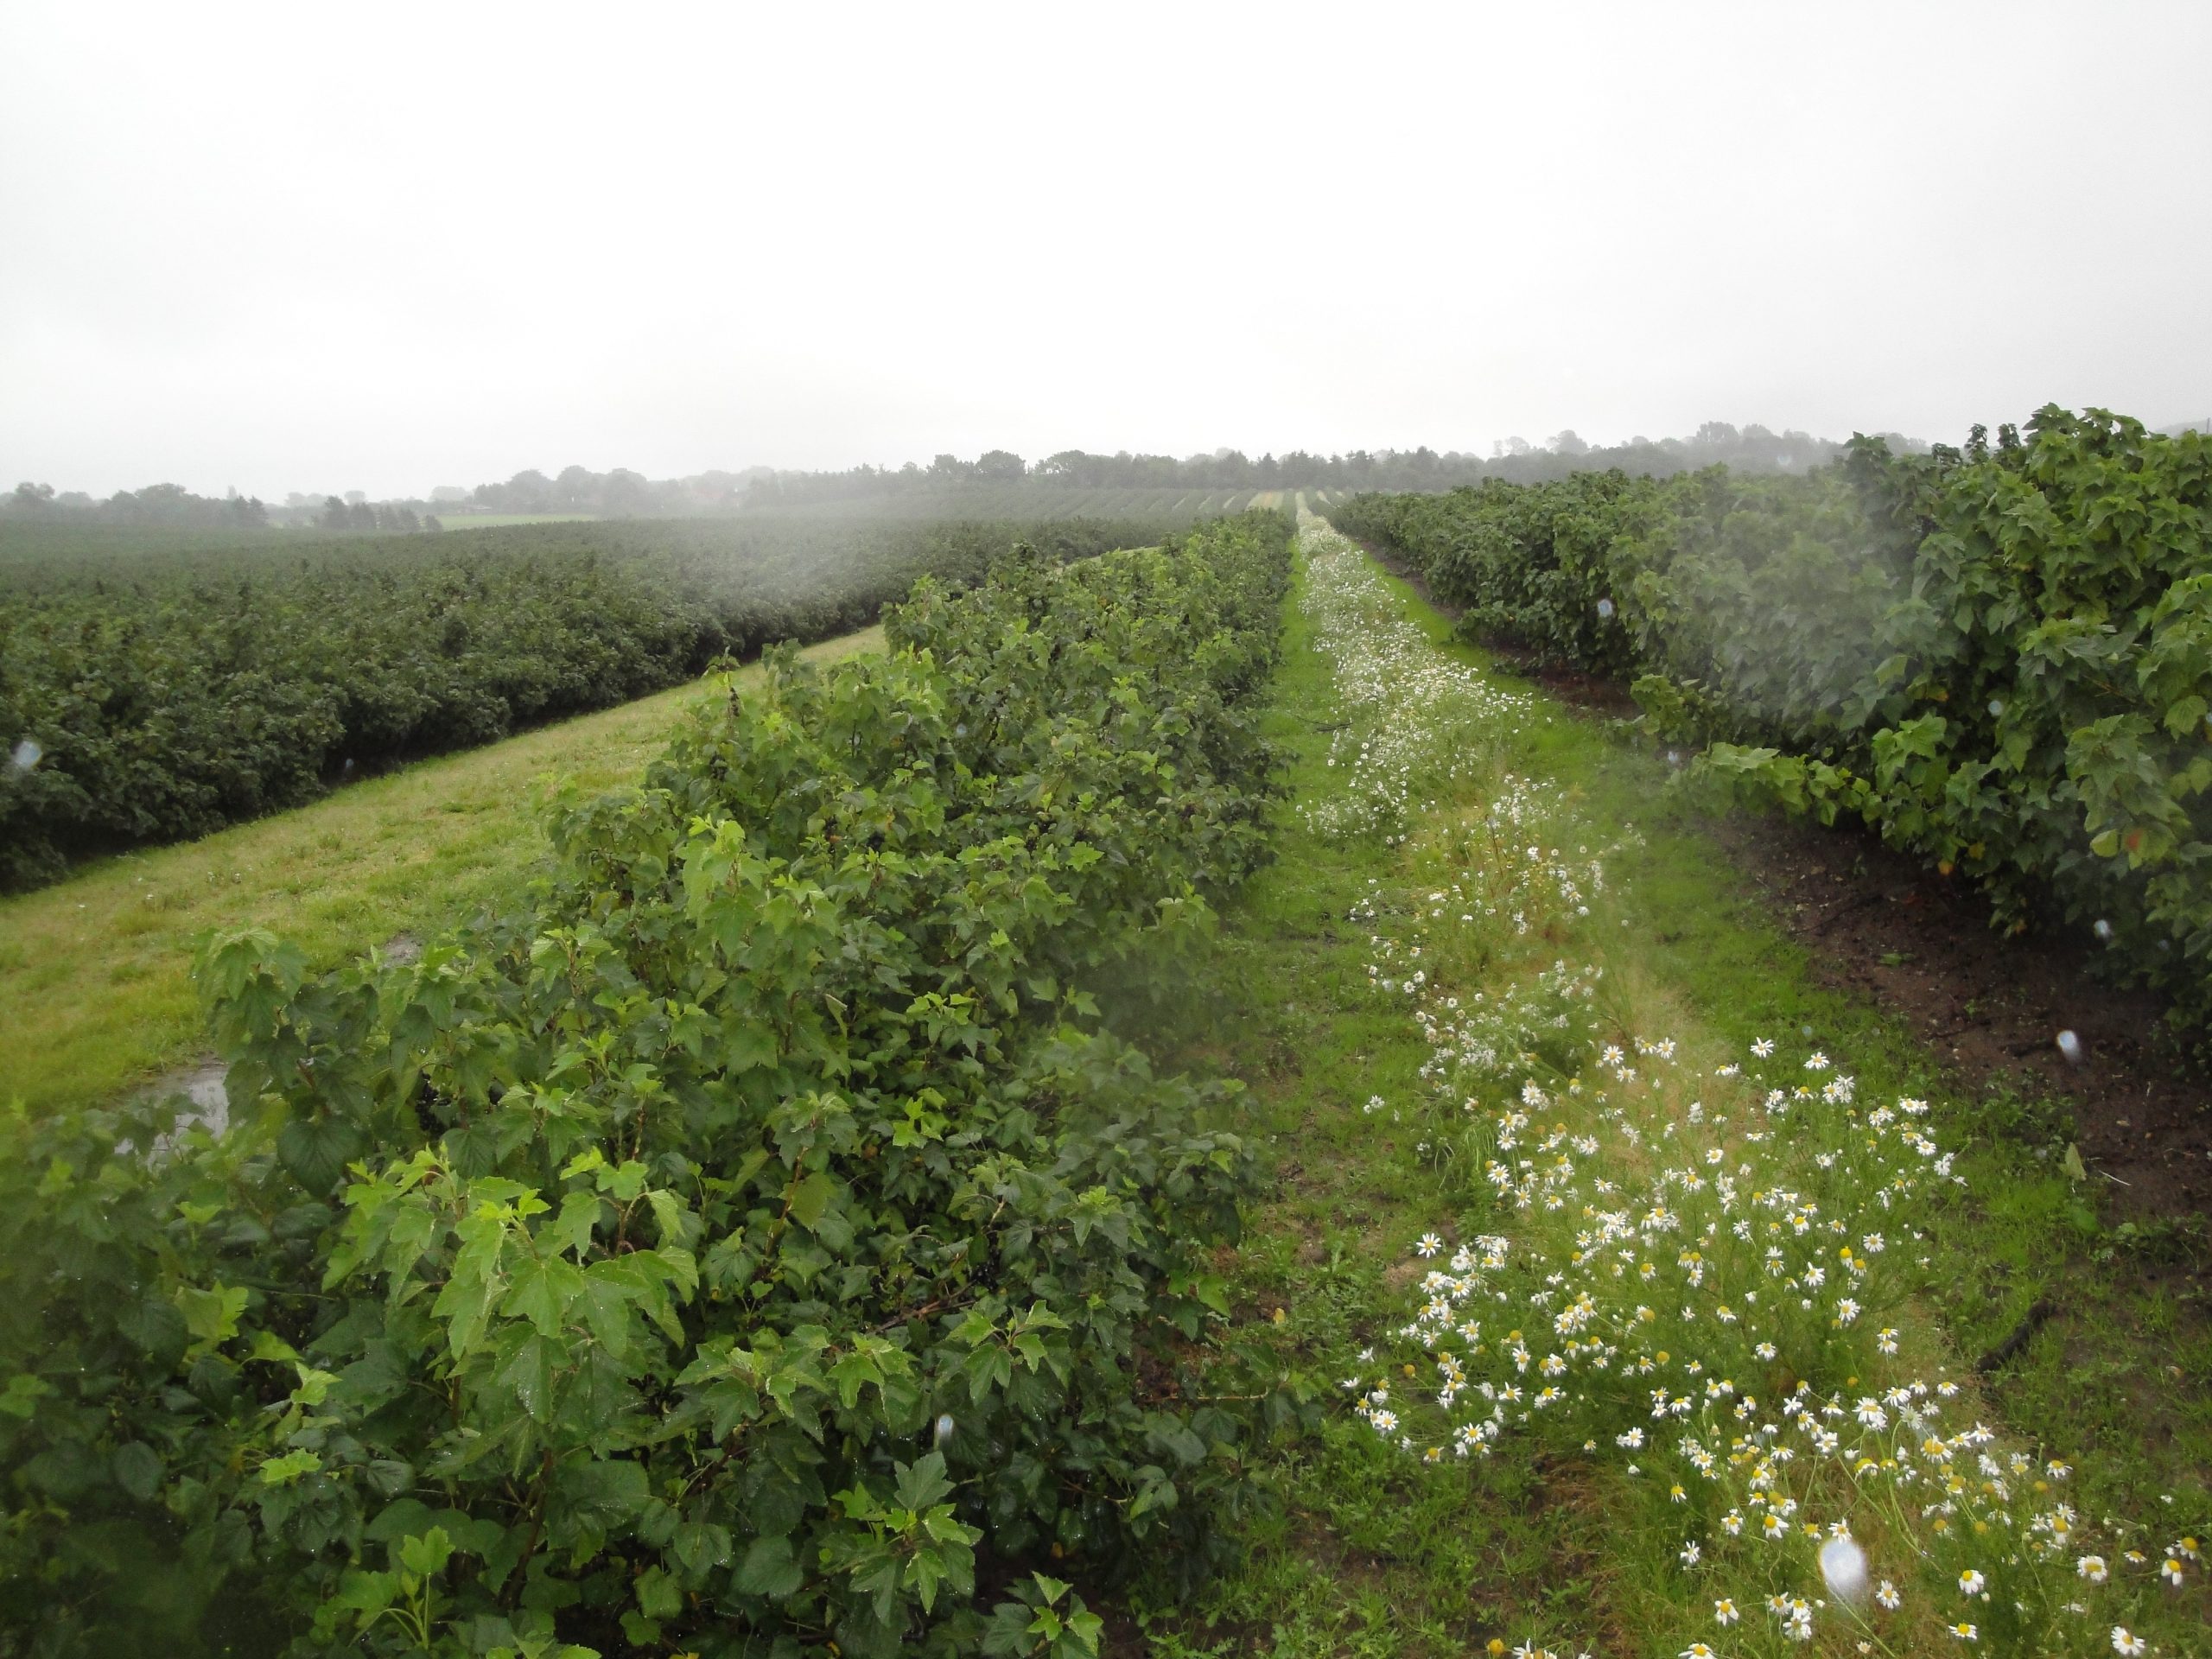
x=32, y=498
x=949, y=469
x=576, y=488
x=528, y=491
x=626, y=494
x=1567, y=443
x=334, y=513
x=1000, y=467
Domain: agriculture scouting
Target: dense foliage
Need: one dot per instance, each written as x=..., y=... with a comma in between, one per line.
x=165, y=692
x=755, y=1241
x=2001, y=656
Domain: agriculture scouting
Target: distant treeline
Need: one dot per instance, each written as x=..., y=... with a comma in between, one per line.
x=622, y=493
x=618, y=493
x=380, y=517
x=169, y=507
x=1747, y=449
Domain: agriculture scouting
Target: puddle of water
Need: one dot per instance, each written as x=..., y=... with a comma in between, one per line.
x=202, y=1084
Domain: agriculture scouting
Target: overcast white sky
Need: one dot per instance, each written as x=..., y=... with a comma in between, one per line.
x=387, y=246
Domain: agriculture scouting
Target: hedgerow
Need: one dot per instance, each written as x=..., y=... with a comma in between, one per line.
x=2001, y=658
x=754, y=1242
x=156, y=691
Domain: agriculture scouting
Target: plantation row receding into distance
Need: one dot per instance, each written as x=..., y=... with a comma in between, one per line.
x=1179, y=1109
x=152, y=695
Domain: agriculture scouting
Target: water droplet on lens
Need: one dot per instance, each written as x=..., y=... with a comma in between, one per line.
x=2104, y=928
x=1604, y=607
x=26, y=754
x=945, y=1428
x=1843, y=1564
x=1997, y=705
x=2070, y=1046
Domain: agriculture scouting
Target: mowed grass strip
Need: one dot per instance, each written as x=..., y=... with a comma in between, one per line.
x=96, y=991
x=1373, y=1554
x=1366, y=1553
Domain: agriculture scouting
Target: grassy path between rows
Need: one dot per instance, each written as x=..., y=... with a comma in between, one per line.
x=1375, y=1553
x=96, y=992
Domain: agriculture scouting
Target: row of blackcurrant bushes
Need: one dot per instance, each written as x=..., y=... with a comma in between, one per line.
x=150, y=694
x=1999, y=656
x=754, y=1241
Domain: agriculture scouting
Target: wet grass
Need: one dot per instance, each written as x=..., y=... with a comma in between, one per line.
x=95, y=974
x=1368, y=1552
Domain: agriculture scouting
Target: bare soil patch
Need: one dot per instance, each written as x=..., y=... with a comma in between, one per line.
x=1920, y=946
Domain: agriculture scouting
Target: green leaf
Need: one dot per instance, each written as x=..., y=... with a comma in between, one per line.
x=921, y=1483
x=811, y=1197
x=768, y=1569
x=466, y=1304
x=852, y=1374
x=699, y=1544
x=315, y=1150
x=211, y=1316
x=746, y=1048
x=529, y=1372
x=426, y=1556
x=570, y=1233
x=659, y=1594
x=541, y=1292
x=268, y=1346
x=367, y=1593
x=138, y=1469
x=605, y=1305
x=283, y=1472
x=1086, y=1627
x=22, y=1393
